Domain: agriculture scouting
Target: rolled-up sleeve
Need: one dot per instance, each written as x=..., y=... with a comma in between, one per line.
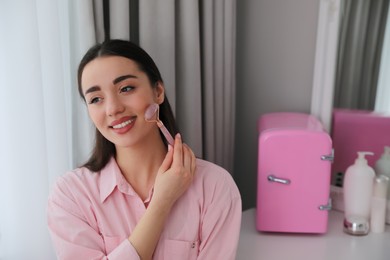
x=221, y=223
x=73, y=234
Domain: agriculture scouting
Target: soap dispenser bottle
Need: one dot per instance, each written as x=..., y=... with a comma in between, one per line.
x=358, y=188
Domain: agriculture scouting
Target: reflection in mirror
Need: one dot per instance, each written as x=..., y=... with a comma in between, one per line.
x=382, y=102
x=362, y=83
x=362, y=33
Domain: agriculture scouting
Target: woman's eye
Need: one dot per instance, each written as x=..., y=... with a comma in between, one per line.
x=127, y=89
x=94, y=100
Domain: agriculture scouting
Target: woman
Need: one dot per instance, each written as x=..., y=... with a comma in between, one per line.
x=138, y=197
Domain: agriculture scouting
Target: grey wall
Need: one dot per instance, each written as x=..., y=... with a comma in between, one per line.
x=275, y=63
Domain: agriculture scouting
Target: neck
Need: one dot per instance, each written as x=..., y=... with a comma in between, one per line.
x=139, y=164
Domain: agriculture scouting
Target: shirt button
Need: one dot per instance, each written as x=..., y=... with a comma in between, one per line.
x=193, y=245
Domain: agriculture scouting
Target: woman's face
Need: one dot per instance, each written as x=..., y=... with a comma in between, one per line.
x=117, y=94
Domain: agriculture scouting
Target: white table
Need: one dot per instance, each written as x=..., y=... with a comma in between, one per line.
x=334, y=245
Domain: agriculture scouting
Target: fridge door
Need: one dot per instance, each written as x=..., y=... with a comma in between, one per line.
x=293, y=181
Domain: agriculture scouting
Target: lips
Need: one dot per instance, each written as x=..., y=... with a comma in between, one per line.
x=120, y=123
x=123, y=125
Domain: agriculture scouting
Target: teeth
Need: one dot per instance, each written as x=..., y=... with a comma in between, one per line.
x=122, y=124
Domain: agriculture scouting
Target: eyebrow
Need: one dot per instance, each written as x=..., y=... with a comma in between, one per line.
x=122, y=78
x=92, y=89
x=115, y=81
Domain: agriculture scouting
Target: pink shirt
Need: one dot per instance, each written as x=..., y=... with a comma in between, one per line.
x=91, y=215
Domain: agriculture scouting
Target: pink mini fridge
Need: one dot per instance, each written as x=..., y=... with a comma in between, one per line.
x=294, y=172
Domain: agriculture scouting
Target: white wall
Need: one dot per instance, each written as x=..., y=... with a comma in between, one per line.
x=275, y=58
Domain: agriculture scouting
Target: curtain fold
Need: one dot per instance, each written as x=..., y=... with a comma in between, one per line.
x=361, y=39
x=98, y=15
x=193, y=44
x=157, y=37
x=188, y=73
x=45, y=130
x=120, y=19
x=82, y=35
x=34, y=131
x=218, y=74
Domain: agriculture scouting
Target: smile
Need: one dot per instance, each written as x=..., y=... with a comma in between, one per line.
x=121, y=125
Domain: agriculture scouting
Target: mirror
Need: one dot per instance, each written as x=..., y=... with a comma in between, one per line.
x=361, y=36
x=359, y=75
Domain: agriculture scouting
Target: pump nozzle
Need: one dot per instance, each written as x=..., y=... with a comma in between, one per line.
x=361, y=157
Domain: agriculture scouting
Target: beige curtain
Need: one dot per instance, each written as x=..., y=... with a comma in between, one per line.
x=193, y=44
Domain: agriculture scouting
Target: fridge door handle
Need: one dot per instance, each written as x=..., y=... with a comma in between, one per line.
x=328, y=157
x=327, y=206
x=273, y=178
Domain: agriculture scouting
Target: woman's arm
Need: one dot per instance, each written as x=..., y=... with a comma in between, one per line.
x=75, y=232
x=173, y=178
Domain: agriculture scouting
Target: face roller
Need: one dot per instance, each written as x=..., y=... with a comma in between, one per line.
x=150, y=113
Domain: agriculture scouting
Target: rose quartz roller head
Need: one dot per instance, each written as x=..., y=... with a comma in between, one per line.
x=150, y=113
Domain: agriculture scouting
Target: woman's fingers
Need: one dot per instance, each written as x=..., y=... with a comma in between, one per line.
x=178, y=151
x=189, y=159
x=166, y=164
x=186, y=158
x=176, y=173
x=179, y=157
x=193, y=162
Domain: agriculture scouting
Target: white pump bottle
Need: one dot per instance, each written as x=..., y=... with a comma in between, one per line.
x=358, y=188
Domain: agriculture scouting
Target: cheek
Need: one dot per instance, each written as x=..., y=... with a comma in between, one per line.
x=138, y=105
x=95, y=116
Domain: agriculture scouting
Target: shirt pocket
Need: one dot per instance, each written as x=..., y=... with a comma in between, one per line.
x=180, y=249
x=112, y=242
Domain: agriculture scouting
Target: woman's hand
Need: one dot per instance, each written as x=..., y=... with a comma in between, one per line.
x=175, y=174
x=173, y=178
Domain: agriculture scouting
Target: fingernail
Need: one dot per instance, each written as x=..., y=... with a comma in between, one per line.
x=178, y=135
x=169, y=147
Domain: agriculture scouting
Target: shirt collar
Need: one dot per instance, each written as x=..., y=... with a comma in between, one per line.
x=111, y=177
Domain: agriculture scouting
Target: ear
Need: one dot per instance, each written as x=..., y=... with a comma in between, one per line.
x=159, y=92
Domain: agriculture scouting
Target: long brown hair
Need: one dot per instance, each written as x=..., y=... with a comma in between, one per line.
x=104, y=149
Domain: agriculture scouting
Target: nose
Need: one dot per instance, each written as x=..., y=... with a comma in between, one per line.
x=114, y=106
